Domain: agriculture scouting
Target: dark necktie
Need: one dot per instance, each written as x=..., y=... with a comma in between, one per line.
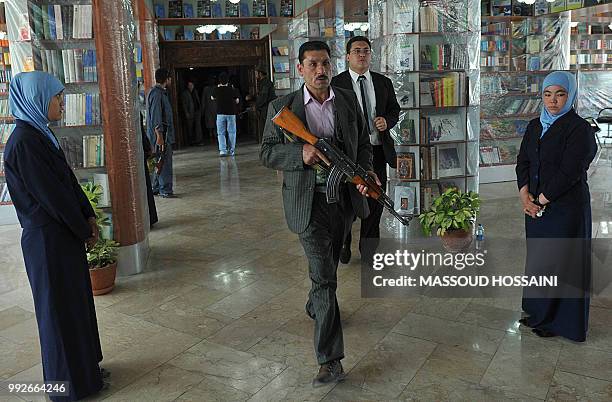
x=364, y=105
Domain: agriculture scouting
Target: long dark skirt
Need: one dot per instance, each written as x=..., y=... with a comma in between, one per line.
x=559, y=244
x=57, y=269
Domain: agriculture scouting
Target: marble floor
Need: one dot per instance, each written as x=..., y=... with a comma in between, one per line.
x=219, y=313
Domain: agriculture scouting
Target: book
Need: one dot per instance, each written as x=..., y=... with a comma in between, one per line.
x=203, y=9
x=406, y=166
x=489, y=155
x=404, y=131
x=405, y=94
x=160, y=10
x=403, y=18
x=405, y=199
x=444, y=127
x=188, y=10
x=406, y=57
x=449, y=161
x=101, y=179
x=244, y=10
x=175, y=9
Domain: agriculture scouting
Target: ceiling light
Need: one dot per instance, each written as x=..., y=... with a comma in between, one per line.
x=574, y=24
x=548, y=1
x=238, y=1
x=364, y=27
x=349, y=27
x=222, y=29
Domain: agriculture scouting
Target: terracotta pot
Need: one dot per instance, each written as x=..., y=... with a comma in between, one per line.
x=103, y=279
x=456, y=240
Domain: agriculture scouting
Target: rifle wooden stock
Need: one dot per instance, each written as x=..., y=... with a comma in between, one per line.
x=287, y=120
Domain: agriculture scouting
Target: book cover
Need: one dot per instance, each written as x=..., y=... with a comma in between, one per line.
x=449, y=161
x=160, y=10
x=405, y=199
x=244, y=10
x=406, y=166
x=188, y=10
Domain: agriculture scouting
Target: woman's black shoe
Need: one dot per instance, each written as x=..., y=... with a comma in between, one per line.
x=542, y=333
x=525, y=322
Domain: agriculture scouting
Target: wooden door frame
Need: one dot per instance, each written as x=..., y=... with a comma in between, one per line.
x=176, y=55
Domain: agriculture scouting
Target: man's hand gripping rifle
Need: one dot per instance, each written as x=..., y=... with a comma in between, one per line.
x=341, y=166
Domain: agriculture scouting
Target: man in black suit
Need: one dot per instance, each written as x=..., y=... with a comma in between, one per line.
x=382, y=113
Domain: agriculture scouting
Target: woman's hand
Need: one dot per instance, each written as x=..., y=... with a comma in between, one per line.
x=95, y=233
x=527, y=199
x=542, y=200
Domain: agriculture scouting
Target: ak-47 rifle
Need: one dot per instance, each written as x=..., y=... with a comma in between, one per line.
x=341, y=166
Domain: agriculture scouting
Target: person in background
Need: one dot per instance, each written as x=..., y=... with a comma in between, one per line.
x=148, y=153
x=192, y=113
x=265, y=95
x=58, y=225
x=160, y=130
x=377, y=100
x=555, y=154
x=209, y=109
x=227, y=99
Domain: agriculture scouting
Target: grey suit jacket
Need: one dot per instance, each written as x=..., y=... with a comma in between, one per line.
x=298, y=178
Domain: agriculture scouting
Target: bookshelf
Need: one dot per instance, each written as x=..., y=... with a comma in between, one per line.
x=179, y=19
x=281, y=68
x=429, y=51
x=7, y=212
x=516, y=53
x=57, y=37
x=591, y=46
x=320, y=22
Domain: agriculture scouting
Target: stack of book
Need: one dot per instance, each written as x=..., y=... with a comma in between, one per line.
x=60, y=22
x=443, y=91
x=82, y=110
x=444, y=57
x=70, y=65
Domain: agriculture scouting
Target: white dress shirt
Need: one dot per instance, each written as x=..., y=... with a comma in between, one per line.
x=370, y=100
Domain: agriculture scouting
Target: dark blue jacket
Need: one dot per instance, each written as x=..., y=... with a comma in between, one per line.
x=42, y=185
x=159, y=114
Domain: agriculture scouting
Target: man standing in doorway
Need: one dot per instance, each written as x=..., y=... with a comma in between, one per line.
x=377, y=100
x=210, y=109
x=227, y=98
x=334, y=114
x=265, y=95
x=160, y=130
x=190, y=101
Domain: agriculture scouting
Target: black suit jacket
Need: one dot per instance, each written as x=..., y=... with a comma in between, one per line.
x=386, y=106
x=556, y=165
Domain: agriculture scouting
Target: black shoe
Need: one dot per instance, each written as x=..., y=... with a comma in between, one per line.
x=525, y=322
x=345, y=254
x=169, y=195
x=542, y=333
x=308, y=306
x=155, y=192
x=328, y=373
x=105, y=373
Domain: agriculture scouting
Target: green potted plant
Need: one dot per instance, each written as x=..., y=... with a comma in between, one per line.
x=102, y=257
x=452, y=214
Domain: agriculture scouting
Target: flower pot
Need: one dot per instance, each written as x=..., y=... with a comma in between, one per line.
x=103, y=279
x=456, y=240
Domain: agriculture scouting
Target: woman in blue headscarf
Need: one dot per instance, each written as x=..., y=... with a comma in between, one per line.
x=556, y=151
x=58, y=224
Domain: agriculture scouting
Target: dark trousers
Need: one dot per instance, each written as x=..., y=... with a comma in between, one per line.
x=322, y=241
x=370, y=226
x=262, y=114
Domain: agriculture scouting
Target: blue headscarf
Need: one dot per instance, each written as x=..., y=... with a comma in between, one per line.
x=29, y=97
x=565, y=80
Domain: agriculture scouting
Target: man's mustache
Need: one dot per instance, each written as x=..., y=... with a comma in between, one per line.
x=324, y=77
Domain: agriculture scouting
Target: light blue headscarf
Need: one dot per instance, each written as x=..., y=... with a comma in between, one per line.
x=565, y=80
x=29, y=97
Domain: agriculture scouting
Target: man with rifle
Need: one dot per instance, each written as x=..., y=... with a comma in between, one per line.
x=333, y=114
x=160, y=130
